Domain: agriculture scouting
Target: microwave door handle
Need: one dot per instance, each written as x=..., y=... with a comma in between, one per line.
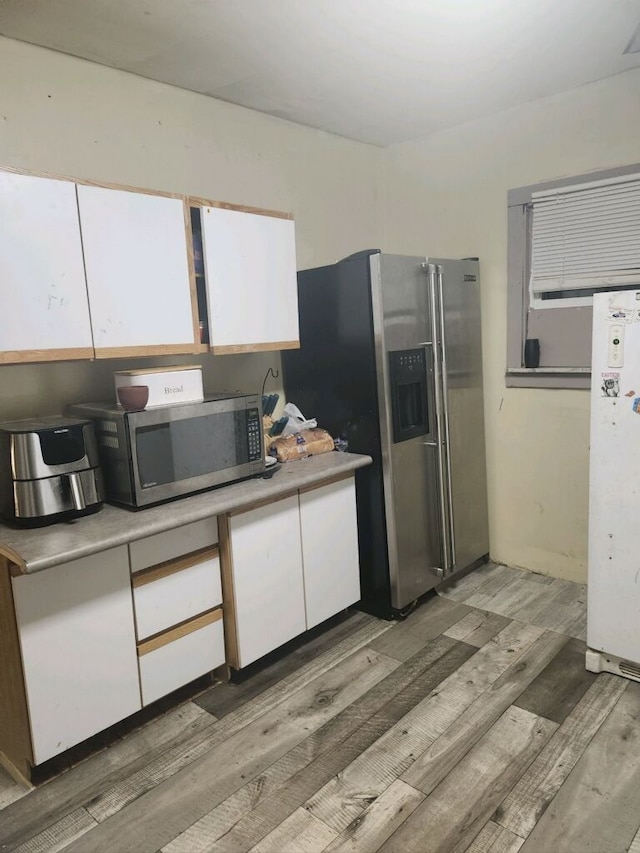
x=77, y=492
x=437, y=388
x=445, y=411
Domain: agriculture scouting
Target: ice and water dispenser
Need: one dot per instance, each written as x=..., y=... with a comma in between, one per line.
x=409, y=393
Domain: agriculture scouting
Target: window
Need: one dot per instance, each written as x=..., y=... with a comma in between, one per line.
x=567, y=240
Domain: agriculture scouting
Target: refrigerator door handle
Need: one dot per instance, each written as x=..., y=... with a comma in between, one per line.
x=437, y=382
x=445, y=411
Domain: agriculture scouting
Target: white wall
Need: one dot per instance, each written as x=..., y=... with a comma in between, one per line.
x=69, y=117
x=447, y=195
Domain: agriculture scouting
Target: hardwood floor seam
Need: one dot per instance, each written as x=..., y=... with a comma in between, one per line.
x=529, y=799
x=357, y=727
x=596, y=809
x=433, y=765
x=60, y=834
x=454, y=814
x=341, y=799
x=378, y=821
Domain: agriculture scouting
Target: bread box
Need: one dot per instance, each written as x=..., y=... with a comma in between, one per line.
x=167, y=385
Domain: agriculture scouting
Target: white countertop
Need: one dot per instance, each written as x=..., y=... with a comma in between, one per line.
x=35, y=549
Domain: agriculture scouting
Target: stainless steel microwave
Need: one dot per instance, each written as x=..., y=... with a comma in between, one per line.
x=170, y=451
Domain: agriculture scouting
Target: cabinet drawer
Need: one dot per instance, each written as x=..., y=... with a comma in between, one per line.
x=175, y=659
x=171, y=593
x=173, y=543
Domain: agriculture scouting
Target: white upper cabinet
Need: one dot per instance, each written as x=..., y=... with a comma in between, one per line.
x=138, y=277
x=250, y=270
x=107, y=272
x=44, y=313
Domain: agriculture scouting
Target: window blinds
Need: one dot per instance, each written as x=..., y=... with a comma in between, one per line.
x=586, y=236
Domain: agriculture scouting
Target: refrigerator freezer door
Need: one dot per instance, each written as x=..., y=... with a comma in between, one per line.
x=461, y=340
x=402, y=325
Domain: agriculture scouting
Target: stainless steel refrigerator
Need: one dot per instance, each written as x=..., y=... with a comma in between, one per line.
x=390, y=360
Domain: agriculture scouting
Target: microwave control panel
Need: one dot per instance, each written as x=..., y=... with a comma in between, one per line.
x=254, y=434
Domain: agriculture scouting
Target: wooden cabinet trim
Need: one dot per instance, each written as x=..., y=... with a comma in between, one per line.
x=317, y=484
x=192, y=273
x=170, y=567
x=34, y=355
x=15, y=733
x=138, y=371
x=191, y=201
x=179, y=631
x=88, y=182
x=144, y=351
x=256, y=505
x=15, y=563
x=338, y=478
x=232, y=653
x=231, y=349
x=197, y=201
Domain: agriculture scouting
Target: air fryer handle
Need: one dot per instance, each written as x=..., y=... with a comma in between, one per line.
x=77, y=492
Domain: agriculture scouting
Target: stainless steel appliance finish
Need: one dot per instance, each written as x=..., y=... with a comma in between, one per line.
x=74, y=492
x=170, y=451
x=391, y=360
x=49, y=470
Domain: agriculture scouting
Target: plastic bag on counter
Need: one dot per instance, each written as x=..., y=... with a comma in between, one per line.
x=308, y=442
x=296, y=420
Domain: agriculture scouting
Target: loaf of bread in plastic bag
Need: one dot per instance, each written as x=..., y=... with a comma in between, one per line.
x=308, y=442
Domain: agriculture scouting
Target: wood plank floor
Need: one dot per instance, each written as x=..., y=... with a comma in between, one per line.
x=470, y=726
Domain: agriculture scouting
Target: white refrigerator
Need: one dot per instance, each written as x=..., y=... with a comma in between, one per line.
x=613, y=596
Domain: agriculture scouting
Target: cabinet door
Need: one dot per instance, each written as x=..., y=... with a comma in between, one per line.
x=75, y=624
x=329, y=549
x=250, y=269
x=266, y=561
x=44, y=313
x=138, y=276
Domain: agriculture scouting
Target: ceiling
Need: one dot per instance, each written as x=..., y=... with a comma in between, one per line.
x=378, y=71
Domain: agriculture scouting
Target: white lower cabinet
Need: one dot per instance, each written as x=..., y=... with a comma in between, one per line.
x=101, y=636
x=177, y=598
x=329, y=533
x=268, y=590
x=77, y=639
x=291, y=564
x=98, y=642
